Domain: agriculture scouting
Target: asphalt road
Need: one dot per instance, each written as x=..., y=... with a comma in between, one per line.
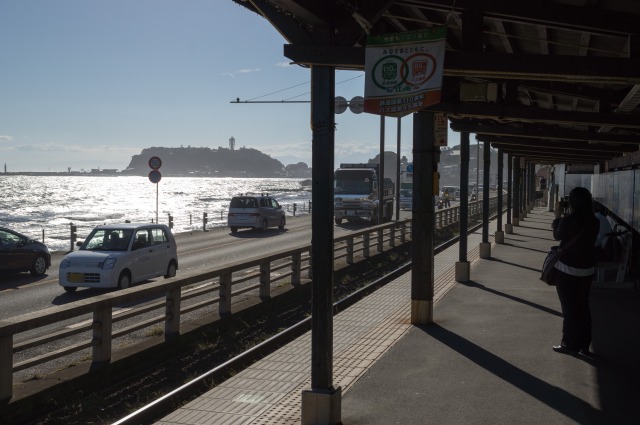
x=198, y=250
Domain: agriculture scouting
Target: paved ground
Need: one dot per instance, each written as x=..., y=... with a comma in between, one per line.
x=487, y=359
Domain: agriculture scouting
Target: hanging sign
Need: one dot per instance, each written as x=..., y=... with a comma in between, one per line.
x=403, y=71
x=440, y=129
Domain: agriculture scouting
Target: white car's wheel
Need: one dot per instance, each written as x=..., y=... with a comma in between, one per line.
x=70, y=288
x=124, y=281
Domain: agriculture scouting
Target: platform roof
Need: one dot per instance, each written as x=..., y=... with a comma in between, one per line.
x=566, y=72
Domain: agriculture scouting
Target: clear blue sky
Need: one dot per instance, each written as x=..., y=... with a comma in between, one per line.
x=87, y=84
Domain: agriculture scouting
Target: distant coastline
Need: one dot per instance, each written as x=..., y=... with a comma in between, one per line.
x=61, y=173
x=193, y=162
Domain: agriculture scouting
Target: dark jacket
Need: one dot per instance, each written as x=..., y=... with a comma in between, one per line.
x=581, y=253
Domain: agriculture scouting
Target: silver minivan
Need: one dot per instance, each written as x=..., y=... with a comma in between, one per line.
x=119, y=255
x=255, y=212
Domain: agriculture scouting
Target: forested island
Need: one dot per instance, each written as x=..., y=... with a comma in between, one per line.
x=221, y=162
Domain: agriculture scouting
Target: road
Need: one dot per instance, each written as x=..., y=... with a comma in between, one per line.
x=197, y=251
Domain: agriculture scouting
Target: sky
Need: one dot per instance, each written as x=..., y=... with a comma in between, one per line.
x=88, y=84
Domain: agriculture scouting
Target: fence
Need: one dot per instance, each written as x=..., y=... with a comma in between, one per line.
x=64, y=238
x=178, y=297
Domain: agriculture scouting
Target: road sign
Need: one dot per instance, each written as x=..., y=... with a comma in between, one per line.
x=155, y=162
x=155, y=176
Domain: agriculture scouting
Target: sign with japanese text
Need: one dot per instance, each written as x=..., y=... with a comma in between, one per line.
x=403, y=71
x=440, y=129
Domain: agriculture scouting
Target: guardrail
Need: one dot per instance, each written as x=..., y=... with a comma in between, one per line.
x=63, y=237
x=179, y=297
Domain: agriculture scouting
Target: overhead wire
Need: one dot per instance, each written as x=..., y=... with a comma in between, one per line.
x=294, y=86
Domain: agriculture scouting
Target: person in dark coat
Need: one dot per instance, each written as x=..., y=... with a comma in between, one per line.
x=576, y=269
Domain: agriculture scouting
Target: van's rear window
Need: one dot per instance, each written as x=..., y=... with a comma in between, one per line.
x=243, y=202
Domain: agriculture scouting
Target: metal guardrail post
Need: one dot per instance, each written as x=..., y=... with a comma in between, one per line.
x=365, y=245
x=224, y=307
x=296, y=265
x=380, y=246
x=102, y=327
x=172, y=313
x=265, y=280
x=6, y=368
x=403, y=231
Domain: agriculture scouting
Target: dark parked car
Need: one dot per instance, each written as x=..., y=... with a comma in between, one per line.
x=20, y=253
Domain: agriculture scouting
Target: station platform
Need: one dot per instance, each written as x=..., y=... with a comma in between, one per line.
x=486, y=359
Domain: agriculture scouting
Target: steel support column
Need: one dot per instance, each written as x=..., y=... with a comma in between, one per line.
x=485, y=246
x=321, y=404
x=517, y=182
x=509, y=226
x=463, y=267
x=532, y=186
x=422, y=230
x=398, y=172
x=499, y=231
x=381, y=205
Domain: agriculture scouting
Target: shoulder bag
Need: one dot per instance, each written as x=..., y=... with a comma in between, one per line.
x=549, y=271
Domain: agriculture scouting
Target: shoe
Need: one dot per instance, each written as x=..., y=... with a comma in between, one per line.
x=564, y=350
x=586, y=354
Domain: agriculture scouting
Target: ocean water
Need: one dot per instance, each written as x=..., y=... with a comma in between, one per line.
x=46, y=205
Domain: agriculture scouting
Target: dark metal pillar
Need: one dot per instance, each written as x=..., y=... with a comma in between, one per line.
x=322, y=403
x=322, y=148
x=486, y=167
x=485, y=245
x=509, y=188
x=532, y=184
x=422, y=231
x=499, y=238
x=500, y=173
x=464, y=196
x=381, y=206
x=517, y=182
x=398, y=172
x=522, y=189
x=463, y=267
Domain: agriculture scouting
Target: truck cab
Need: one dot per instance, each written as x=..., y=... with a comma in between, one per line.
x=356, y=194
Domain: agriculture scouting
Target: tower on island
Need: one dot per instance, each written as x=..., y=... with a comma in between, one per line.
x=232, y=143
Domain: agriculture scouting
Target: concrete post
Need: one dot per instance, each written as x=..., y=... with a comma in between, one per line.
x=101, y=336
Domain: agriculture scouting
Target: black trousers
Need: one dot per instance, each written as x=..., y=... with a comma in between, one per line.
x=573, y=292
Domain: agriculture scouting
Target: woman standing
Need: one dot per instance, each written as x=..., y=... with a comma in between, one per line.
x=580, y=227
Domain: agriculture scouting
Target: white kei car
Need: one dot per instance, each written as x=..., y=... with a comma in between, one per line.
x=119, y=255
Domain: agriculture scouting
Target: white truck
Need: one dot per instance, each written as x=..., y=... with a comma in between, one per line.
x=355, y=194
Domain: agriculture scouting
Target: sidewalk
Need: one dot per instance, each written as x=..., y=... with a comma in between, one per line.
x=487, y=359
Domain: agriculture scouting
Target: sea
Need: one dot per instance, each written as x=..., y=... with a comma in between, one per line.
x=44, y=207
